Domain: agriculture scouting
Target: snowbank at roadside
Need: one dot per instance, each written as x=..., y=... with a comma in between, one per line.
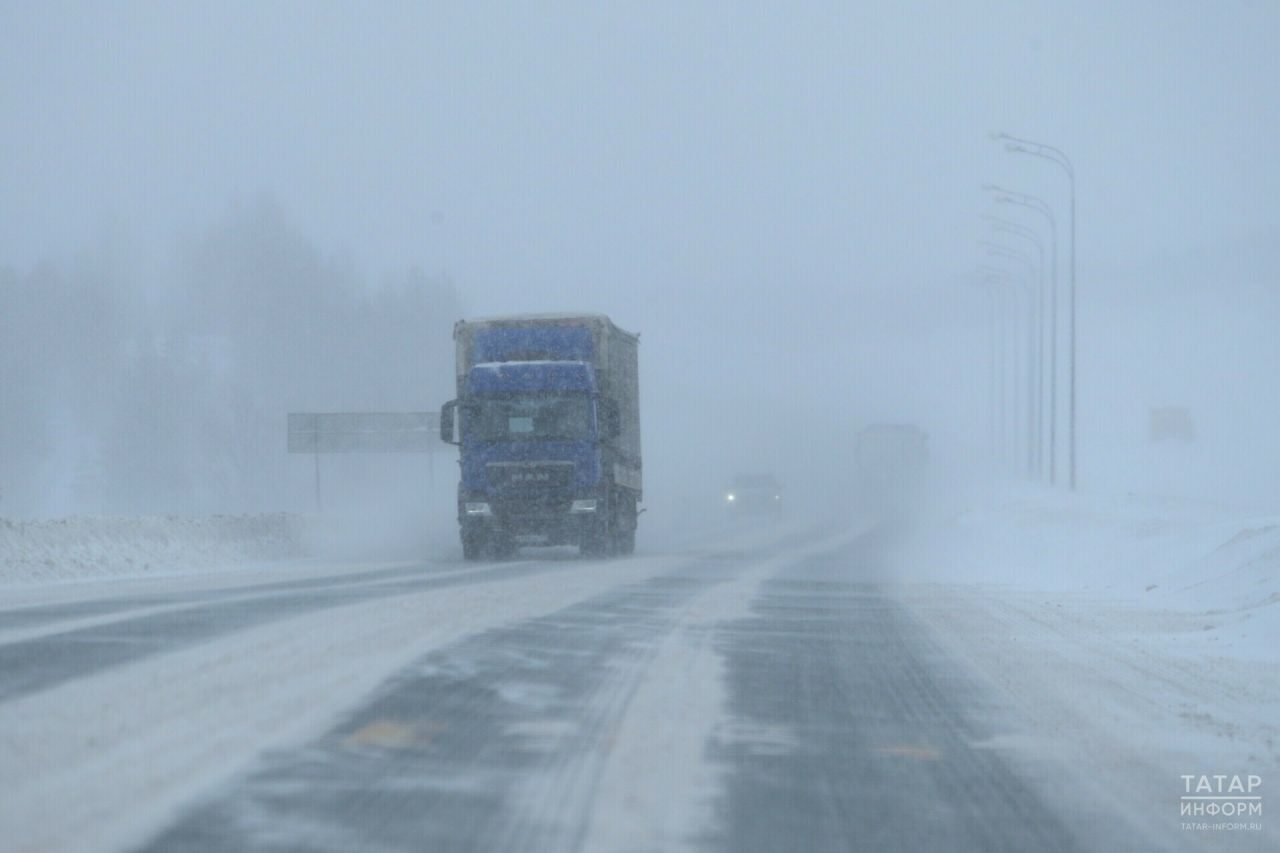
x=96, y=547
x=1147, y=552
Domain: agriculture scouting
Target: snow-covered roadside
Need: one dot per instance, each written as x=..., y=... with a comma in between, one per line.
x=1155, y=554
x=81, y=548
x=1138, y=637
x=117, y=546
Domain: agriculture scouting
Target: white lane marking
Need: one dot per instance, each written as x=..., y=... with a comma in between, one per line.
x=74, y=623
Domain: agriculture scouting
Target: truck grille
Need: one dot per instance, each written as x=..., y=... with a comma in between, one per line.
x=530, y=506
x=530, y=476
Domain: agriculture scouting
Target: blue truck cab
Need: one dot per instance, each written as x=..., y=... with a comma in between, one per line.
x=547, y=421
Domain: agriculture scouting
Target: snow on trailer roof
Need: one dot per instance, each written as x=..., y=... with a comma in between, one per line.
x=531, y=376
x=511, y=365
x=548, y=317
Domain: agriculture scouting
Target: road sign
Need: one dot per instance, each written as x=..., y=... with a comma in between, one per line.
x=364, y=432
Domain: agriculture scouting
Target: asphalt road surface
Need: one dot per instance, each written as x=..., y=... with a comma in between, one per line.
x=777, y=697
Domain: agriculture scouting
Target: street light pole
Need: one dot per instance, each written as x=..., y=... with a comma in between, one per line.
x=1029, y=286
x=1005, y=226
x=1007, y=307
x=1005, y=196
x=995, y=392
x=998, y=282
x=1016, y=145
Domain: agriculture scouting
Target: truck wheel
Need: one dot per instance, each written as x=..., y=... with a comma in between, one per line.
x=595, y=543
x=593, y=546
x=598, y=540
x=625, y=541
x=624, y=524
x=472, y=548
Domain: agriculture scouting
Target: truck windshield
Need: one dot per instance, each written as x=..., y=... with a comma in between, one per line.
x=525, y=418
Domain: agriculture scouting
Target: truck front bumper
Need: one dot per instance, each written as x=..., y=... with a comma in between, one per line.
x=533, y=523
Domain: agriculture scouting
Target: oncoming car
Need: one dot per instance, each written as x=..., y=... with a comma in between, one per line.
x=754, y=494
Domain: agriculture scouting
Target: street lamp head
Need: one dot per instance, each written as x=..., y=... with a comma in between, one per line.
x=998, y=251
x=998, y=134
x=1016, y=147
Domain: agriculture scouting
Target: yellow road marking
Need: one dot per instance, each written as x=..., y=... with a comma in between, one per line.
x=394, y=734
x=921, y=751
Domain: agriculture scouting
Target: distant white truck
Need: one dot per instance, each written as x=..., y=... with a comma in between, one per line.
x=891, y=461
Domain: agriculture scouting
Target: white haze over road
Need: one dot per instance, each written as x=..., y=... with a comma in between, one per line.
x=214, y=216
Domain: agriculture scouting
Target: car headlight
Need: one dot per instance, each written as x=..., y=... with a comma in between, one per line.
x=478, y=508
x=731, y=497
x=583, y=505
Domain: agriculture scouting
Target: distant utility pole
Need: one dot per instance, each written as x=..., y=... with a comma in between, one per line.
x=1016, y=145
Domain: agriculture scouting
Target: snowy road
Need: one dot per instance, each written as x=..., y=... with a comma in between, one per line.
x=783, y=694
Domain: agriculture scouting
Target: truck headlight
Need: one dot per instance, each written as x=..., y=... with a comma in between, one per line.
x=479, y=508
x=584, y=505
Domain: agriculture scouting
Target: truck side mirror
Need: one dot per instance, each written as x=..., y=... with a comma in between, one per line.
x=611, y=418
x=448, y=419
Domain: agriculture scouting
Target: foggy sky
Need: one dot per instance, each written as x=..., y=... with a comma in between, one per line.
x=806, y=180
x=507, y=142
